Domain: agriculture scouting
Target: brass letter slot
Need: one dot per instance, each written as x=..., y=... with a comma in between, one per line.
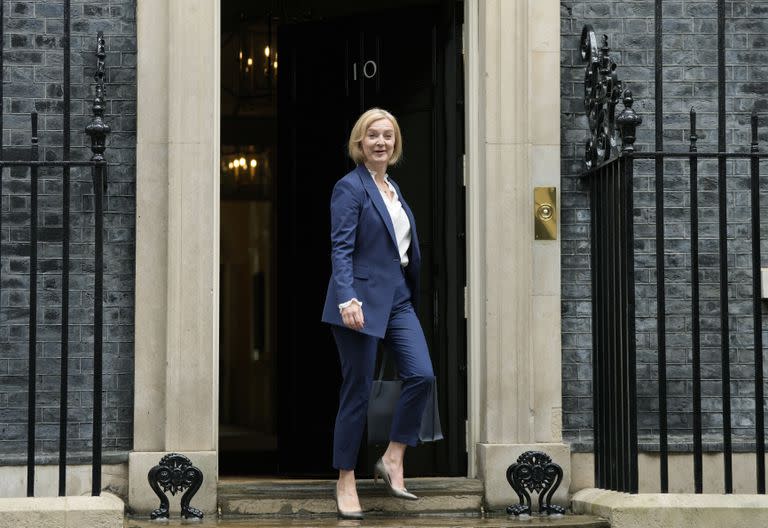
x=545, y=213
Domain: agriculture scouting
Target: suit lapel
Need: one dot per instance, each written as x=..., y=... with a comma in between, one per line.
x=378, y=201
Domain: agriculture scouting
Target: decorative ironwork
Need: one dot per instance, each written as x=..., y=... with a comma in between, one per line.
x=534, y=471
x=98, y=129
x=175, y=473
x=602, y=92
x=628, y=121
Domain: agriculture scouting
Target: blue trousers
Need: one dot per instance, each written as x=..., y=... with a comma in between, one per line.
x=357, y=353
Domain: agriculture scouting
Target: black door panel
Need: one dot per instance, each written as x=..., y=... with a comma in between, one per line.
x=329, y=73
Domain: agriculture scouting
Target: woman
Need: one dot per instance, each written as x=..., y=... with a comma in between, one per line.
x=371, y=296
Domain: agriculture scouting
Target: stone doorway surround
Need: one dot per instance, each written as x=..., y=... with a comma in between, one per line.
x=512, y=68
x=177, y=243
x=513, y=305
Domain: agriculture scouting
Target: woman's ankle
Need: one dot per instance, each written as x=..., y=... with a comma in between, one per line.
x=346, y=482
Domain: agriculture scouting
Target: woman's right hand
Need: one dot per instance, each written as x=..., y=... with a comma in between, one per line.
x=352, y=316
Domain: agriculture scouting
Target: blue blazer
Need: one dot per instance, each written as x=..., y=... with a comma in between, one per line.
x=364, y=255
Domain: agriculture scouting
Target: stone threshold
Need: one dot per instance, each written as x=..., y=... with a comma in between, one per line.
x=424, y=521
x=443, y=502
x=313, y=497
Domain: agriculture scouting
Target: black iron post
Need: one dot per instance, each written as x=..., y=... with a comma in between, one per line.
x=757, y=310
x=698, y=476
x=661, y=322
x=65, y=221
x=32, y=394
x=627, y=122
x=98, y=131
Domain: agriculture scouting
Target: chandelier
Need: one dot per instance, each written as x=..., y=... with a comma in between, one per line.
x=256, y=49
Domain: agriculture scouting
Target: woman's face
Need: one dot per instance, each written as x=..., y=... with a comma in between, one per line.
x=379, y=141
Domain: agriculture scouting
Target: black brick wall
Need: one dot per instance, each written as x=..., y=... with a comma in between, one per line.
x=33, y=54
x=690, y=80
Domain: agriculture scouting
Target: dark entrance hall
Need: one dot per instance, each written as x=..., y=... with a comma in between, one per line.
x=295, y=76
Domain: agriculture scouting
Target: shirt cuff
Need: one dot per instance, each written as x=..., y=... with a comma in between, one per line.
x=348, y=303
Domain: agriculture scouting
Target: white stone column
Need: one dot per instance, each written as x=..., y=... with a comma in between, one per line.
x=514, y=281
x=176, y=379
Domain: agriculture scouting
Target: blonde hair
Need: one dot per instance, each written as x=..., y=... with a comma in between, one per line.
x=355, y=147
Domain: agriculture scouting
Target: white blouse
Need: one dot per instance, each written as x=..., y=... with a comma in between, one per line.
x=400, y=222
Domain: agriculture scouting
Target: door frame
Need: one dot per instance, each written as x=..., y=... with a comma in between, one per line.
x=447, y=196
x=474, y=288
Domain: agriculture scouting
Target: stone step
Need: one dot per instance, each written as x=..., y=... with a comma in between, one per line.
x=443, y=503
x=311, y=497
x=381, y=521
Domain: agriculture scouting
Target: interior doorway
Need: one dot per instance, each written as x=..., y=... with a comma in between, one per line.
x=295, y=76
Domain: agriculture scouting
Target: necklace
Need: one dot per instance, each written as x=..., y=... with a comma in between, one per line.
x=385, y=189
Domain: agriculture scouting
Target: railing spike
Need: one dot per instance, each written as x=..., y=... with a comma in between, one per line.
x=753, y=121
x=694, y=137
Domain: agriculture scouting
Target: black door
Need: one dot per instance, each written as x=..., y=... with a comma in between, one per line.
x=330, y=72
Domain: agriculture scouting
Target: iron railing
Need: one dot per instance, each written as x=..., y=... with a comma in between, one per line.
x=613, y=316
x=97, y=130
x=610, y=174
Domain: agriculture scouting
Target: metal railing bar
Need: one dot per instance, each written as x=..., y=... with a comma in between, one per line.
x=2, y=82
x=723, y=234
x=623, y=338
x=628, y=175
x=596, y=171
x=757, y=312
x=695, y=323
x=98, y=131
x=596, y=386
x=661, y=328
x=63, y=398
x=612, y=348
x=698, y=154
x=604, y=330
x=32, y=374
x=60, y=163
x=98, y=295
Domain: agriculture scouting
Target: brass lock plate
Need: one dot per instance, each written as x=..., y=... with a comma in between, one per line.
x=545, y=213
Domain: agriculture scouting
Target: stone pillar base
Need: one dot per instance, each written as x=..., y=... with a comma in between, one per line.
x=141, y=498
x=494, y=459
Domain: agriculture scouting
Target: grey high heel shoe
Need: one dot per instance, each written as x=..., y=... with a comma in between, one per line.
x=349, y=515
x=380, y=471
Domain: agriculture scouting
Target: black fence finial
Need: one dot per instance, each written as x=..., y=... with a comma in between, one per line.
x=694, y=137
x=98, y=129
x=628, y=121
x=753, y=121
